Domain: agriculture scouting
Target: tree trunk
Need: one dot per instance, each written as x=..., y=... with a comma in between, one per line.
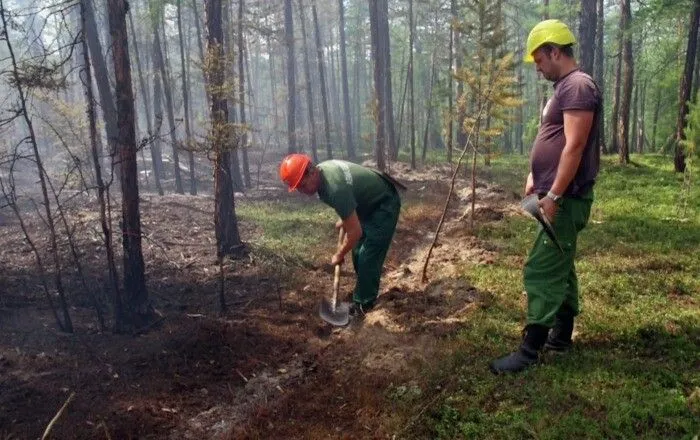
x=599, y=69
x=291, y=76
x=136, y=309
x=543, y=91
x=633, y=116
x=450, y=83
x=685, y=87
x=156, y=155
x=185, y=102
x=615, y=117
x=628, y=76
x=205, y=76
x=655, y=121
x=379, y=113
x=410, y=89
x=385, y=58
x=587, y=35
x=159, y=66
x=429, y=109
x=359, y=62
x=109, y=112
x=232, y=144
x=641, y=132
x=350, y=145
x=243, y=142
x=225, y=224
x=322, y=77
x=309, y=88
x=333, y=92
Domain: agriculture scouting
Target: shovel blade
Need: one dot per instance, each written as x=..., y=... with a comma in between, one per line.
x=338, y=317
x=530, y=205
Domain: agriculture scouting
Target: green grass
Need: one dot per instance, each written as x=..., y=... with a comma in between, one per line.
x=637, y=360
x=637, y=356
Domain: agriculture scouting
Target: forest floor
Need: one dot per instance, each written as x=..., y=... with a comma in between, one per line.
x=414, y=367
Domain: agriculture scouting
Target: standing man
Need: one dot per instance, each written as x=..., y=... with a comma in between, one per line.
x=563, y=166
x=368, y=205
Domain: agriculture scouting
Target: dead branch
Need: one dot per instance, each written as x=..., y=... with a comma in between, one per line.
x=57, y=416
x=424, y=277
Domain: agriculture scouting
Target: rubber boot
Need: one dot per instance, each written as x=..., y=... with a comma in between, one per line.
x=559, y=339
x=526, y=355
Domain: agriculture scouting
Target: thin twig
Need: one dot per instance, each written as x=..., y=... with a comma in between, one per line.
x=57, y=416
x=424, y=277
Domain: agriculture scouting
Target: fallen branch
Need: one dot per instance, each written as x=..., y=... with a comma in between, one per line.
x=57, y=416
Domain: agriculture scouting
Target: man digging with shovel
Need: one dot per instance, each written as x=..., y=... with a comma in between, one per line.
x=368, y=205
x=564, y=163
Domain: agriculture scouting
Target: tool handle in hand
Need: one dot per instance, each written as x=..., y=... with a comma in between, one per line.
x=336, y=276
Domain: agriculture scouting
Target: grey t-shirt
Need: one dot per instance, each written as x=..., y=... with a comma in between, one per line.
x=575, y=91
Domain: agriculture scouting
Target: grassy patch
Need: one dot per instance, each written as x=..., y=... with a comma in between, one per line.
x=637, y=356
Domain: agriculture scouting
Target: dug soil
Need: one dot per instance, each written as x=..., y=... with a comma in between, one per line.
x=267, y=367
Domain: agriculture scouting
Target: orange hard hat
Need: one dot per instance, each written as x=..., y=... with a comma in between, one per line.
x=292, y=169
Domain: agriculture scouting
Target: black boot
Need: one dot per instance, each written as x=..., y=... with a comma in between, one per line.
x=559, y=338
x=526, y=355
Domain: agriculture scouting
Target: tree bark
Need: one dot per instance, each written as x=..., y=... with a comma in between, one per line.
x=109, y=111
x=379, y=96
x=627, y=78
x=615, y=117
x=685, y=87
x=225, y=224
x=385, y=58
x=136, y=309
x=185, y=102
x=429, y=109
x=410, y=91
x=243, y=142
x=350, y=145
x=450, y=83
x=587, y=35
x=322, y=77
x=641, y=133
x=291, y=76
x=599, y=69
x=156, y=155
x=159, y=65
x=309, y=88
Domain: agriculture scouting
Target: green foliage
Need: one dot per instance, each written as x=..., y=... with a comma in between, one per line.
x=631, y=374
x=490, y=79
x=690, y=147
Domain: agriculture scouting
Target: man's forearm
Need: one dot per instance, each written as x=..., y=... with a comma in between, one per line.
x=568, y=165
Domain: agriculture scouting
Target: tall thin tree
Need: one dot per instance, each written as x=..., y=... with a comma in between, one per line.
x=686, y=86
x=186, y=103
x=379, y=96
x=412, y=124
x=344, y=79
x=136, y=309
x=309, y=89
x=291, y=76
x=322, y=78
x=225, y=224
x=627, y=78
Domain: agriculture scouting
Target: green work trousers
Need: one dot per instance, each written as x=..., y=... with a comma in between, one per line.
x=549, y=275
x=369, y=253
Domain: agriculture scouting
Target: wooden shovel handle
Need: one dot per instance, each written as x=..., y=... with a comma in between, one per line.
x=336, y=275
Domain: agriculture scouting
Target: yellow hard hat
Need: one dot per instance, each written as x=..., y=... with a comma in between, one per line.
x=548, y=31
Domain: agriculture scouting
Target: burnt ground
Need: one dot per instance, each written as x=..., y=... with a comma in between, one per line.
x=268, y=368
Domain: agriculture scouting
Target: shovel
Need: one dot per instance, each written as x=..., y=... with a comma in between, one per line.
x=338, y=315
x=530, y=205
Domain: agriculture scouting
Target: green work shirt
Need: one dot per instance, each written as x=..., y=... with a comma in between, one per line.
x=348, y=187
